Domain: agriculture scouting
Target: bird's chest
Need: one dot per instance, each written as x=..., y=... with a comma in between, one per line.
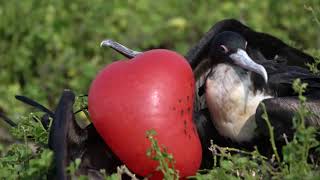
x=232, y=102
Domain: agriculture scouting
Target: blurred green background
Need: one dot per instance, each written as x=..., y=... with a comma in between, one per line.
x=46, y=46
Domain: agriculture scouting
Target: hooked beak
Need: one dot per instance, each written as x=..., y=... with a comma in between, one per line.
x=129, y=53
x=242, y=59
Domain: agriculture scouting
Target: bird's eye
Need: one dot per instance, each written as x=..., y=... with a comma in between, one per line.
x=224, y=49
x=246, y=45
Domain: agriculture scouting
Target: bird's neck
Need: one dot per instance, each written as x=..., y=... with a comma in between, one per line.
x=232, y=101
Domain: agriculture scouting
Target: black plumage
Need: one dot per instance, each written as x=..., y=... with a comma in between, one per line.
x=282, y=63
x=69, y=141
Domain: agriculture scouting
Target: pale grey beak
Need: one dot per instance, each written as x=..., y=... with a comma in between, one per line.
x=129, y=53
x=242, y=59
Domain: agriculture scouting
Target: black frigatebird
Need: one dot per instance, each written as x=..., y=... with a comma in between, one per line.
x=236, y=69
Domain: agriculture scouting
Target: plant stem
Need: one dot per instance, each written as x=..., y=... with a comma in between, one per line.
x=273, y=144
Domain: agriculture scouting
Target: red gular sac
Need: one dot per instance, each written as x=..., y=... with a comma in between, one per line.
x=152, y=91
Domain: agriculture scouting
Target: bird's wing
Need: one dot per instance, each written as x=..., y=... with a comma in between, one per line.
x=282, y=108
x=69, y=142
x=280, y=112
x=266, y=44
x=58, y=137
x=261, y=47
x=281, y=78
x=35, y=104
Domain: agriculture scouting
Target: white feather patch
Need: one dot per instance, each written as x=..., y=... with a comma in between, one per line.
x=232, y=102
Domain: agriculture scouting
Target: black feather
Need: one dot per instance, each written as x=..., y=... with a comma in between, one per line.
x=263, y=43
x=7, y=120
x=283, y=64
x=59, y=139
x=35, y=104
x=69, y=142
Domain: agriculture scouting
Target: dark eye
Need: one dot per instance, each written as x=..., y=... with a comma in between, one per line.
x=224, y=49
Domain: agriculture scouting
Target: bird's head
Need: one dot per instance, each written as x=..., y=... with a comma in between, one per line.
x=230, y=47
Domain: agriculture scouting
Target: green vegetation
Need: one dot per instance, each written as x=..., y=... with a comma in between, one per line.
x=29, y=157
x=292, y=164
x=47, y=46
x=19, y=161
x=160, y=154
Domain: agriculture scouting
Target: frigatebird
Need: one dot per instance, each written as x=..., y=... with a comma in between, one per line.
x=262, y=69
x=236, y=70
